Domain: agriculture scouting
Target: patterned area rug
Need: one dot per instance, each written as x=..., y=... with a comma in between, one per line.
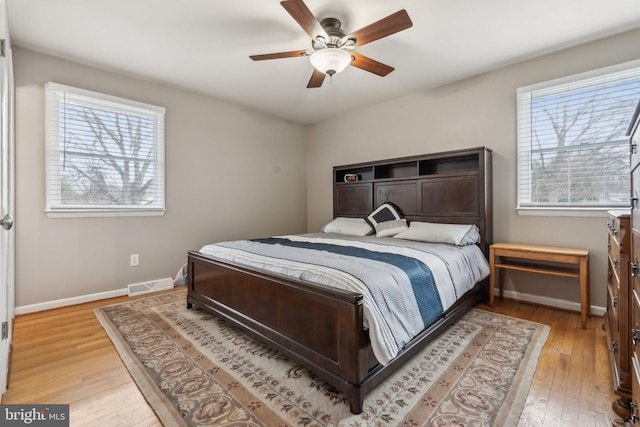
x=197, y=370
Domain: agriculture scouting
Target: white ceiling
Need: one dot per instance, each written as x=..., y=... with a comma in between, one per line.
x=204, y=45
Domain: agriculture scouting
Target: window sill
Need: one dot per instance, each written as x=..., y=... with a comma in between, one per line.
x=87, y=213
x=569, y=212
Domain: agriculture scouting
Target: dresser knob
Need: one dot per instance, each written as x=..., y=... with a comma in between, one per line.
x=634, y=412
x=635, y=333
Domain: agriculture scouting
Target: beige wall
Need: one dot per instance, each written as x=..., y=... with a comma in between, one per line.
x=479, y=111
x=230, y=173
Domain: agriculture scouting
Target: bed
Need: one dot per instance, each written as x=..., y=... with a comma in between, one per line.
x=329, y=329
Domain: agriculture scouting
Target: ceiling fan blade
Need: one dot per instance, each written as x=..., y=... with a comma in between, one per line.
x=303, y=16
x=292, y=54
x=385, y=27
x=317, y=78
x=370, y=65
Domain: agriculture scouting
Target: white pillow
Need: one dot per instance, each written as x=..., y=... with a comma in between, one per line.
x=391, y=228
x=455, y=234
x=350, y=226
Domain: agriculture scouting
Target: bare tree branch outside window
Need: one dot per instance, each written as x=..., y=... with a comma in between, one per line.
x=579, y=154
x=107, y=157
x=104, y=155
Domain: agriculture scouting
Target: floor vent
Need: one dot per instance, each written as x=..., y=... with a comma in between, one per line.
x=151, y=286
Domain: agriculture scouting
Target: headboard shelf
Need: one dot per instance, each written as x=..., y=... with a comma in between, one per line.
x=362, y=173
x=449, y=187
x=410, y=167
x=396, y=170
x=468, y=163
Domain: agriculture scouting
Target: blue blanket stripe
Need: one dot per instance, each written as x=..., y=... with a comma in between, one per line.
x=420, y=276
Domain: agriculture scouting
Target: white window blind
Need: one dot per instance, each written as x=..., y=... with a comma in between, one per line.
x=104, y=155
x=572, y=148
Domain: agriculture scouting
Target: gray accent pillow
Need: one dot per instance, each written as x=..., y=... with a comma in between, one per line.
x=385, y=212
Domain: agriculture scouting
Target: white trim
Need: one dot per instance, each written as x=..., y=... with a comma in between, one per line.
x=536, y=299
x=550, y=302
x=526, y=128
x=57, y=94
x=32, y=308
x=576, y=212
x=581, y=76
x=116, y=101
x=7, y=198
x=107, y=213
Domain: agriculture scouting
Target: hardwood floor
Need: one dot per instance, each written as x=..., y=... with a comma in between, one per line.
x=64, y=356
x=572, y=385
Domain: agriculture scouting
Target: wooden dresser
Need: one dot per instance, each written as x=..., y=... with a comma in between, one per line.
x=634, y=333
x=617, y=318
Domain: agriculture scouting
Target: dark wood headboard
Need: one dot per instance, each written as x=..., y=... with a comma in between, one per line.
x=452, y=187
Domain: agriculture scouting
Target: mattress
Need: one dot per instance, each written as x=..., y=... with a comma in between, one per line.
x=406, y=285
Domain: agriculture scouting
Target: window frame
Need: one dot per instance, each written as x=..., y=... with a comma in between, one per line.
x=574, y=211
x=53, y=204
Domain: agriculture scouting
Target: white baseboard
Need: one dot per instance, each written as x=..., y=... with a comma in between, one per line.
x=69, y=301
x=536, y=299
x=550, y=302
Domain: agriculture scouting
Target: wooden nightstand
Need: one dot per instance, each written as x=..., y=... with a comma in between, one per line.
x=568, y=262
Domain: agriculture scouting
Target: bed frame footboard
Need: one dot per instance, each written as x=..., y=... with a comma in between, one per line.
x=318, y=327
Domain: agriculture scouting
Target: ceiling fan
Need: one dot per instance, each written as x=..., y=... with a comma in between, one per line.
x=332, y=49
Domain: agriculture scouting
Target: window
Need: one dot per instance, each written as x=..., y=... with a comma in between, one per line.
x=573, y=152
x=104, y=156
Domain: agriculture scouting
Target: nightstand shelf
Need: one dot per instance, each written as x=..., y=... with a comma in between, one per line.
x=557, y=261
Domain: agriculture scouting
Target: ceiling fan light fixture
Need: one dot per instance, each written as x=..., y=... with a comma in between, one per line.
x=331, y=60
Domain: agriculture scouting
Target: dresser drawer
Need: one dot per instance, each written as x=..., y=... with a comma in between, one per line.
x=613, y=341
x=612, y=311
x=634, y=261
x=615, y=233
x=617, y=320
x=615, y=261
x=635, y=322
x=613, y=293
x=636, y=386
x=635, y=194
x=635, y=149
x=619, y=231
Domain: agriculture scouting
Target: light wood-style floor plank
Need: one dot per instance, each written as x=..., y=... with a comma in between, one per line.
x=572, y=385
x=64, y=356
